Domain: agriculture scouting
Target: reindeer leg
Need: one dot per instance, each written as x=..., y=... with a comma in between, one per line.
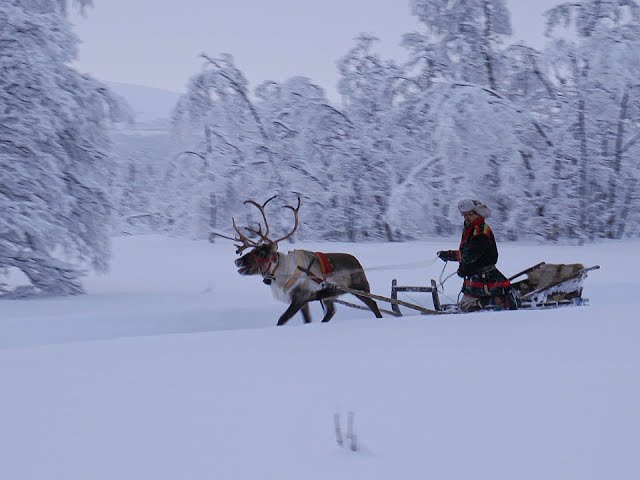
x=325, y=297
x=369, y=302
x=305, y=313
x=298, y=301
x=329, y=309
x=289, y=312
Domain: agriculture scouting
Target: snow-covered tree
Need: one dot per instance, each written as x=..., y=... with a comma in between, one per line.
x=477, y=152
x=548, y=139
x=53, y=151
x=371, y=89
x=464, y=136
x=135, y=188
x=310, y=140
x=283, y=139
x=219, y=122
x=597, y=125
x=462, y=38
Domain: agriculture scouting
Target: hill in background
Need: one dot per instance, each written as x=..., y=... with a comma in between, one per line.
x=152, y=106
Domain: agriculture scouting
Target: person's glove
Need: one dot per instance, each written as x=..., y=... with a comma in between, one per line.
x=445, y=255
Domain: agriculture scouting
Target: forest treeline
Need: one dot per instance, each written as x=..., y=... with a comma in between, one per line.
x=550, y=139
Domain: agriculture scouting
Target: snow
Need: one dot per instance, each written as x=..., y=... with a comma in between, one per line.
x=171, y=368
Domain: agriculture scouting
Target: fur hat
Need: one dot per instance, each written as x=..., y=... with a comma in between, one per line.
x=468, y=205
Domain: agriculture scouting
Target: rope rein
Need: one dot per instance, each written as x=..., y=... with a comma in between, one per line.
x=268, y=275
x=440, y=280
x=397, y=266
x=441, y=283
x=402, y=266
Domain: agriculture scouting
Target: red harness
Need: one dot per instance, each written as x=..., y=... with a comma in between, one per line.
x=261, y=261
x=325, y=264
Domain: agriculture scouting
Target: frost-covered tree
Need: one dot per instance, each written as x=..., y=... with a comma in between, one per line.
x=597, y=124
x=529, y=88
x=464, y=136
x=462, y=38
x=283, y=139
x=135, y=187
x=53, y=151
x=548, y=139
x=219, y=122
x=477, y=152
x=311, y=142
x=135, y=205
x=371, y=89
x=187, y=190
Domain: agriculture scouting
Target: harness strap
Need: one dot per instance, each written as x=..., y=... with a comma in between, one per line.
x=311, y=275
x=298, y=271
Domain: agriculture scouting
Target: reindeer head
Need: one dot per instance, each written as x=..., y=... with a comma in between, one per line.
x=263, y=251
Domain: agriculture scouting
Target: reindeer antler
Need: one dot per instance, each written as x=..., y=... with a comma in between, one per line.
x=246, y=241
x=295, y=225
x=264, y=235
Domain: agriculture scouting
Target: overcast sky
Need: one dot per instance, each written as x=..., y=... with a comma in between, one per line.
x=156, y=42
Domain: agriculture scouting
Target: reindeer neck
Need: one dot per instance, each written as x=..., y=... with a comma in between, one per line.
x=274, y=264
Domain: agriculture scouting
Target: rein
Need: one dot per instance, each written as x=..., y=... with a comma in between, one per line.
x=268, y=273
x=441, y=282
x=402, y=266
x=264, y=271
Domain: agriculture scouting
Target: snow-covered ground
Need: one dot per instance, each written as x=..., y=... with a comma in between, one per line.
x=171, y=368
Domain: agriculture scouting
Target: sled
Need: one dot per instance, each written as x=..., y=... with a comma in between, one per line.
x=544, y=285
x=551, y=285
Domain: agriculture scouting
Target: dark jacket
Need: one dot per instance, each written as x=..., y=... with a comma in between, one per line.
x=478, y=255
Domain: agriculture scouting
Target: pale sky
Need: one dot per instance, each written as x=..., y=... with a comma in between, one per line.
x=156, y=43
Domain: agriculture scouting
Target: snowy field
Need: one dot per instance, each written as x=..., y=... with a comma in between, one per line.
x=171, y=368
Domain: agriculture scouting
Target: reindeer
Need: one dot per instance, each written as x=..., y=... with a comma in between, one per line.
x=299, y=276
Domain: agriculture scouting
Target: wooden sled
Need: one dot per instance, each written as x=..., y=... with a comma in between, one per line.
x=544, y=285
x=551, y=285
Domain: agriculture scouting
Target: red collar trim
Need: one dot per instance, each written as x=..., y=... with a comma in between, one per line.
x=469, y=229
